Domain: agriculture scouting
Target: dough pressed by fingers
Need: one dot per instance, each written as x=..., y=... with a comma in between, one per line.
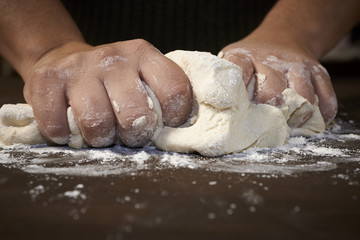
x=223, y=119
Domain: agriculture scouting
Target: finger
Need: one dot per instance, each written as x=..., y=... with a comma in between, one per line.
x=169, y=83
x=299, y=79
x=93, y=112
x=244, y=62
x=49, y=106
x=269, y=85
x=325, y=92
x=132, y=107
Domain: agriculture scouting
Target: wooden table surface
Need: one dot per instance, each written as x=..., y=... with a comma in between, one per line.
x=261, y=200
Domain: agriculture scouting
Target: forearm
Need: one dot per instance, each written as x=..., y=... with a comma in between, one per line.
x=30, y=28
x=315, y=24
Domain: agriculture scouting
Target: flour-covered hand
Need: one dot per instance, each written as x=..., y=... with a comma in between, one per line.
x=272, y=65
x=104, y=85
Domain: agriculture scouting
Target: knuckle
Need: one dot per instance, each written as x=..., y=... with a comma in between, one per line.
x=42, y=75
x=129, y=116
x=54, y=132
x=95, y=124
x=137, y=130
x=74, y=60
x=140, y=45
x=320, y=73
x=97, y=128
x=329, y=110
x=182, y=88
x=141, y=42
x=104, y=51
x=177, y=107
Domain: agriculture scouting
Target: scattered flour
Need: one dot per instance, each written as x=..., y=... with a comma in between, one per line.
x=212, y=183
x=321, y=152
x=36, y=191
x=76, y=193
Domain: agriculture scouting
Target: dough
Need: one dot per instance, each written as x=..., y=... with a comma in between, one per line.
x=76, y=140
x=223, y=120
x=17, y=125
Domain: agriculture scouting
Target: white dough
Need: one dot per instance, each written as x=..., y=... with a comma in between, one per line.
x=17, y=125
x=76, y=140
x=223, y=119
x=226, y=121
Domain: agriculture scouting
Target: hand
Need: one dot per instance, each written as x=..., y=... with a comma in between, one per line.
x=272, y=64
x=104, y=87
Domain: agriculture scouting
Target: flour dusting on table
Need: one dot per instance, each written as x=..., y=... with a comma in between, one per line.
x=322, y=152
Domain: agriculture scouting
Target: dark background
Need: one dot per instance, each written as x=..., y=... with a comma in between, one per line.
x=204, y=25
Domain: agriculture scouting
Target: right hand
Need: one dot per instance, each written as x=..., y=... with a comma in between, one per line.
x=271, y=64
x=103, y=85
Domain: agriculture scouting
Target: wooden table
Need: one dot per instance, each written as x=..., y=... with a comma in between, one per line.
x=261, y=200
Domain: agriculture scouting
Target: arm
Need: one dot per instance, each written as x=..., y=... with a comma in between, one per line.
x=287, y=46
x=317, y=25
x=31, y=28
x=103, y=84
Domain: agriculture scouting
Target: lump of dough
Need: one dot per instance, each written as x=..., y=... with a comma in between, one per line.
x=76, y=139
x=18, y=125
x=223, y=120
x=226, y=121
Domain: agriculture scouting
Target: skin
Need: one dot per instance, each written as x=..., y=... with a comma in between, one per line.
x=103, y=84
x=41, y=41
x=286, y=49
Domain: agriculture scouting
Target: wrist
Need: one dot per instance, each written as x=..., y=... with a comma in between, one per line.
x=314, y=25
x=288, y=34
x=51, y=52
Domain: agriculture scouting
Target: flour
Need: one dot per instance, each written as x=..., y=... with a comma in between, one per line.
x=319, y=153
x=76, y=193
x=223, y=120
x=226, y=121
x=36, y=191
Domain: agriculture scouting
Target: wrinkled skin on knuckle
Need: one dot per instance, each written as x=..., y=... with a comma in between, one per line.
x=136, y=47
x=97, y=129
x=329, y=109
x=323, y=88
x=330, y=115
x=140, y=43
x=177, y=105
x=104, y=53
x=137, y=128
x=54, y=132
x=39, y=80
x=104, y=50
